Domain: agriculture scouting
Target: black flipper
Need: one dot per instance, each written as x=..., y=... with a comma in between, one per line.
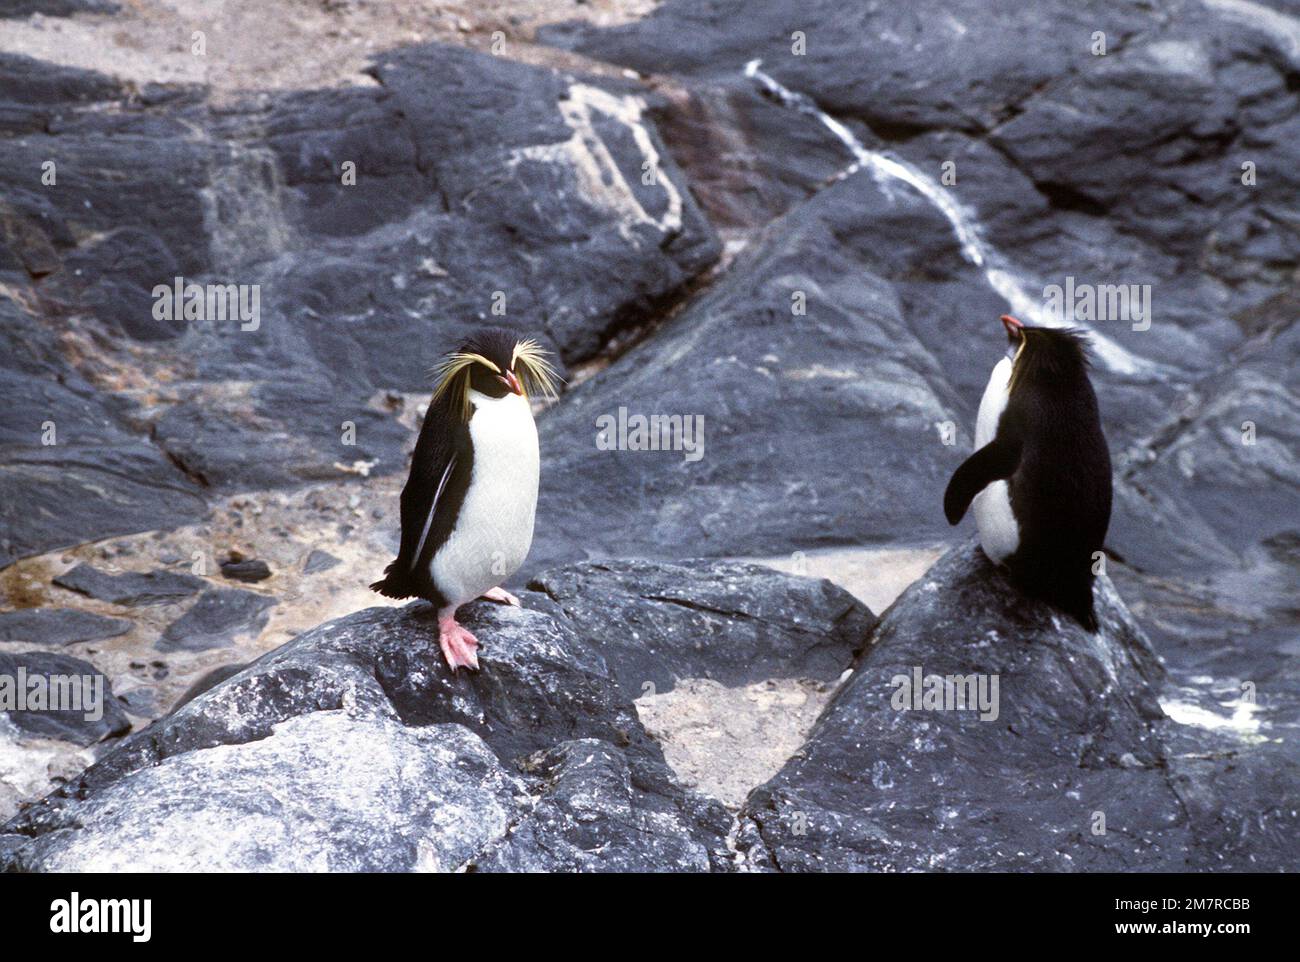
x=996, y=461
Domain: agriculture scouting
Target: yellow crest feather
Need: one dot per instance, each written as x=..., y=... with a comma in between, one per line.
x=534, y=370
x=535, y=373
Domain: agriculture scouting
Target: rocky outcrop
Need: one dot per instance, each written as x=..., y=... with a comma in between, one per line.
x=1055, y=156
x=1068, y=764
x=354, y=748
x=359, y=218
x=826, y=349
x=735, y=624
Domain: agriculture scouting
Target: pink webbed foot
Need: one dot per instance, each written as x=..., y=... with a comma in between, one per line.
x=459, y=647
x=502, y=596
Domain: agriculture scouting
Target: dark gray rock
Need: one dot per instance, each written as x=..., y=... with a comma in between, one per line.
x=1079, y=734
x=71, y=468
x=319, y=560
x=810, y=421
x=451, y=205
x=384, y=760
x=251, y=571
x=208, y=681
x=216, y=619
x=58, y=626
x=55, y=8
x=1117, y=169
x=732, y=623
x=77, y=702
x=132, y=588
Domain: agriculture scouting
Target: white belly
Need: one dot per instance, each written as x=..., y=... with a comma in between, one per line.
x=494, y=529
x=999, y=532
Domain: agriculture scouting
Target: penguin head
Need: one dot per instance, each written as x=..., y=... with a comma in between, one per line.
x=495, y=363
x=1058, y=354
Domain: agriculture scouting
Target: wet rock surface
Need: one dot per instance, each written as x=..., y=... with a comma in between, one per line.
x=356, y=218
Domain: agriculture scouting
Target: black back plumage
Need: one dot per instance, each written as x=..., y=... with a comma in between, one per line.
x=1051, y=451
x=443, y=448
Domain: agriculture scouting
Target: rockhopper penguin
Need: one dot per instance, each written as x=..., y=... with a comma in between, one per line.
x=1040, y=474
x=469, y=503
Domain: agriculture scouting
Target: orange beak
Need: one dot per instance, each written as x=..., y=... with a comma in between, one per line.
x=1014, y=327
x=511, y=382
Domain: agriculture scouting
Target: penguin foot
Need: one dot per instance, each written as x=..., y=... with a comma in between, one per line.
x=502, y=596
x=459, y=647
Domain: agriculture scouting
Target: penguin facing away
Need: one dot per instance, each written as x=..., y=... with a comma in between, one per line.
x=469, y=502
x=1040, y=477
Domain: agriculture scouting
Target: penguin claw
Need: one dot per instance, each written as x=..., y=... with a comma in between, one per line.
x=502, y=596
x=459, y=646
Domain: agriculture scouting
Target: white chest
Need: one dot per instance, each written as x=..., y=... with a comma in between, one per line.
x=999, y=532
x=494, y=528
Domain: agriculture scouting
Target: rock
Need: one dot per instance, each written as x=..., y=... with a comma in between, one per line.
x=71, y=469
x=88, y=711
x=318, y=561
x=808, y=419
x=1078, y=736
x=250, y=571
x=731, y=623
x=55, y=8
x=58, y=626
x=977, y=57
x=132, y=588
x=1164, y=121
x=209, y=680
x=564, y=235
x=216, y=619
x=538, y=761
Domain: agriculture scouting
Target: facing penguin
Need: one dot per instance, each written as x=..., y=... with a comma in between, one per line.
x=1040, y=475
x=469, y=503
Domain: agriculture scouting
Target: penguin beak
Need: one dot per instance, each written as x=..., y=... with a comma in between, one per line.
x=1015, y=330
x=511, y=382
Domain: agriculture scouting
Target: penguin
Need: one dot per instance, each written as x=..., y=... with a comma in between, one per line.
x=470, y=500
x=1040, y=477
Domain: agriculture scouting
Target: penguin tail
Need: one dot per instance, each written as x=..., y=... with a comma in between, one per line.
x=394, y=584
x=1075, y=599
x=1087, y=618
x=1070, y=594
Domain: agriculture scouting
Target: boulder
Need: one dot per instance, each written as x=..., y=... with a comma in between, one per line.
x=732, y=623
x=353, y=718
x=808, y=396
x=1070, y=764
